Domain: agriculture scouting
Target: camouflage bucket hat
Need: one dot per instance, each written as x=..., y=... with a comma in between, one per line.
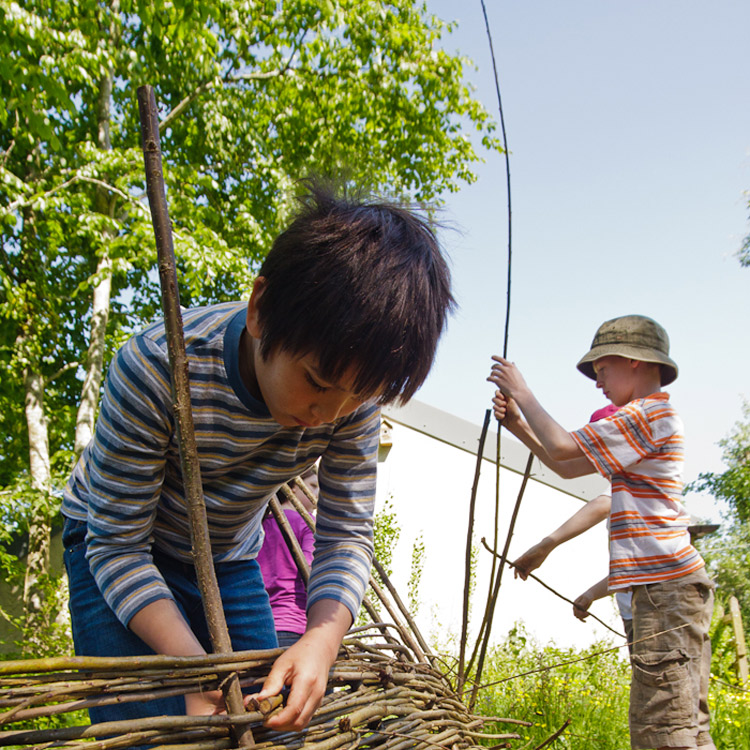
x=633, y=337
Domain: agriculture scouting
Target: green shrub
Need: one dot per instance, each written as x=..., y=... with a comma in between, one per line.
x=591, y=692
x=730, y=716
x=548, y=685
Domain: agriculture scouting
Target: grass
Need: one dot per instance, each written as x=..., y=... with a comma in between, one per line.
x=592, y=693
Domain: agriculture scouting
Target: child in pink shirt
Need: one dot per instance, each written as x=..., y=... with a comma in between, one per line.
x=286, y=588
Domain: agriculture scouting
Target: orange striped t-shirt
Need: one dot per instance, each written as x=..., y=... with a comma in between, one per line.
x=640, y=450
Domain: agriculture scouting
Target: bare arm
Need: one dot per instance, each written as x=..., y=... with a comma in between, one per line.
x=305, y=665
x=162, y=626
x=507, y=412
x=555, y=439
x=589, y=515
x=585, y=518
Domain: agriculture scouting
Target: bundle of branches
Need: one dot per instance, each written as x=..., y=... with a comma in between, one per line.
x=380, y=696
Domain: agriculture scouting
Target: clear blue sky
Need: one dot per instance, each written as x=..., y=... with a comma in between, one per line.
x=629, y=131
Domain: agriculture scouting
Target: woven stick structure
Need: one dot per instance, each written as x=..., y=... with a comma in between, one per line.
x=386, y=691
x=382, y=694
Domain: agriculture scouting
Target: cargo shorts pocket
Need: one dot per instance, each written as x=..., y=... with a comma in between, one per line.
x=661, y=692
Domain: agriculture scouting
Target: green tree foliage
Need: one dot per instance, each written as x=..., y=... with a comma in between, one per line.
x=727, y=554
x=733, y=485
x=744, y=253
x=253, y=96
x=415, y=575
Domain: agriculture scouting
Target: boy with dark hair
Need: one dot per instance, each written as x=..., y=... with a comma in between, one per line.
x=640, y=449
x=345, y=315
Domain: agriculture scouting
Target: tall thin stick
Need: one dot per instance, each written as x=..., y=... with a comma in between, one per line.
x=402, y=607
x=467, y=573
x=507, y=175
x=291, y=540
x=493, y=604
x=180, y=386
x=493, y=570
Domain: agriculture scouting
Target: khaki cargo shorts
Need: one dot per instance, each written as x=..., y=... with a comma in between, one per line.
x=669, y=689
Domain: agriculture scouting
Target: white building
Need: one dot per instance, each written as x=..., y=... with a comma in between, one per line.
x=428, y=473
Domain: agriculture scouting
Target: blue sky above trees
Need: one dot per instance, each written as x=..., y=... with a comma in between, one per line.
x=629, y=131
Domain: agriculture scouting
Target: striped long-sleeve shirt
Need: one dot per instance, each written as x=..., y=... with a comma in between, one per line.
x=127, y=484
x=640, y=449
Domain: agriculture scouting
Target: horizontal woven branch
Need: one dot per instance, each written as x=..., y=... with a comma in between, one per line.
x=379, y=697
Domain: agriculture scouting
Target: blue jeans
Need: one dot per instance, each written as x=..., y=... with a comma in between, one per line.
x=97, y=632
x=287, y=638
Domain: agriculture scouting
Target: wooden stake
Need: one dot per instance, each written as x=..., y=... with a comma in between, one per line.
x=291, y=540
x=739, y=639
x=467, y=570
x=180, y=386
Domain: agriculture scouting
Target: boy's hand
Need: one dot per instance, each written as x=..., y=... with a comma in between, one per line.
x=531, y=560
x=581, y=606
x=205, y=703
x=507, y=377
x=505, y=409
x=304, y=666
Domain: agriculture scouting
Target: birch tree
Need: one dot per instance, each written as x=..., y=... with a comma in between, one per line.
x=254, y=96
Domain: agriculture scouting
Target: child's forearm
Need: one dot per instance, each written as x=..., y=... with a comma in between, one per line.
x=162, y=626
x=598, y=591
x=305, y=665
x=592, y=513
x=570, y=469
x=556, y=441
x=328, y=620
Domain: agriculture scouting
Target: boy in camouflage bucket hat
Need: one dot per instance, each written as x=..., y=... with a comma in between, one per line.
x=640, y=450
x=631, y=336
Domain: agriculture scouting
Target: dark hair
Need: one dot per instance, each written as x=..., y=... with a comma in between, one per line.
x=362, y=285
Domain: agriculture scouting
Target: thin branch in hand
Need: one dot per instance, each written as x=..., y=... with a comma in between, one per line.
x=556, y=593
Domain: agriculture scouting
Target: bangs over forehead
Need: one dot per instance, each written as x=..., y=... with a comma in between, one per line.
x=363, y=287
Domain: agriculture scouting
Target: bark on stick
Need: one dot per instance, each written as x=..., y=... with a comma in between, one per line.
x=180, y=386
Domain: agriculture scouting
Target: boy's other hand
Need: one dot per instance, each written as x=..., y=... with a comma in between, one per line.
x=507, y=377
x=530, y=560
x=581, y=606
x=505, y=409
x=206, y=703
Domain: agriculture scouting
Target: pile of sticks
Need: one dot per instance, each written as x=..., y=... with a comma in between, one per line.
x=380, y=696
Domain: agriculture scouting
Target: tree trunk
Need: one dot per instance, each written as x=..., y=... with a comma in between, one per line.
x=104, y=203
x=37, y=560
x=95, y=358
